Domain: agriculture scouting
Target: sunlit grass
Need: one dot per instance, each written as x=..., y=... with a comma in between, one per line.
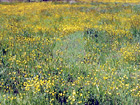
x=55, y=53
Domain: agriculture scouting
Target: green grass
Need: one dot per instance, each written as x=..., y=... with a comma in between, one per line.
x=90, y=67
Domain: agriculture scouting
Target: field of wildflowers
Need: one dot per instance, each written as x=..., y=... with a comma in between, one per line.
x=70, y=54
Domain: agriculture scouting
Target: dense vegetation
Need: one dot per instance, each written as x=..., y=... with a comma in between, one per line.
x=55, y=53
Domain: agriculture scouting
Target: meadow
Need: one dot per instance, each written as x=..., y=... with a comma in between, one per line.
x=70, y=54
